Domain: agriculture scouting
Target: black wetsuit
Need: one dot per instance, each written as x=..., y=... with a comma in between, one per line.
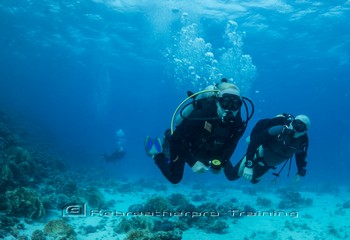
x=118, y=154
x=202, y=136
x=279, y=145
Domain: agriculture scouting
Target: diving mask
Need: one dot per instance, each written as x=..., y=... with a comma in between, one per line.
x=230, y=102
x=299, y=126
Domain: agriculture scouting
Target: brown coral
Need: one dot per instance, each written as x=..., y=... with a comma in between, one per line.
x=59, y=229
x=24, y=202
x=6, y=173
x=19, y=154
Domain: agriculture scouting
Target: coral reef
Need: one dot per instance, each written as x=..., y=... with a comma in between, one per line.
x=38, y=235
x=143, y=227
x=59, y=229
x=139, y=235
x=204, y=219
x=163, y=225
x=134, y=223
x=95, y=198
x=178, y=199
x=180, y=203
x=20, y=166
x=19, y=154
x=227, y=207
x=147, y=235
x=24, y=202
x=135, y=208
x=175, y=234
x=3, y=203
x=184, y=215
x=156, y=204
x=292, y=199
x=16, y=169
x=219, y=227
x=6, y=179
x=6, y=224
x=7, y=136
x=6, y=173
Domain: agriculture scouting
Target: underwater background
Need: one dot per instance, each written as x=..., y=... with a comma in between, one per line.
x=74, y=73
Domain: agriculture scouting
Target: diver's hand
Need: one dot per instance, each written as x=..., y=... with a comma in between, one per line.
x=199, y=167
x=248, y=173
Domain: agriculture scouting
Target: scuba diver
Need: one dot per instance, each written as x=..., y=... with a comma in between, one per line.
x=206, y=134
x=272, y=142
x=117, y=154
x=119, y=151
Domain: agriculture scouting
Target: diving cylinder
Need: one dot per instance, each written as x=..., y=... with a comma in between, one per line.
x=187, y=110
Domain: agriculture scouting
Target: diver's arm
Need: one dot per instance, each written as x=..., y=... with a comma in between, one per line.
x=231, y=146
x=262, y=138
x=186, y=130
x=300, y=158
x=301, y=163
x=229, y=171
x=228, y=152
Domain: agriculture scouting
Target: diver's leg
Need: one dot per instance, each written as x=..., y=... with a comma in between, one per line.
x=172, y=170
x=166, y=142
x=258, y=172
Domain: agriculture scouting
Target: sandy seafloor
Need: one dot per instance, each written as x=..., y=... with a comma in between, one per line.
x=325, y=216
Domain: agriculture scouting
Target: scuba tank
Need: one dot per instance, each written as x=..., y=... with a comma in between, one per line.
x=185, y=108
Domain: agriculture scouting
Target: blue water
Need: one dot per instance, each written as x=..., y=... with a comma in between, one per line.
x=81, y=70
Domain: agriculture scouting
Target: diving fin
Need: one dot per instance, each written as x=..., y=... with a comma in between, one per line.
x=153, y=146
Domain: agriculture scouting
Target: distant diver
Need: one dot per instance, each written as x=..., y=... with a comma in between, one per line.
x=207, y=131
x=118, y=154
x=119, y=151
